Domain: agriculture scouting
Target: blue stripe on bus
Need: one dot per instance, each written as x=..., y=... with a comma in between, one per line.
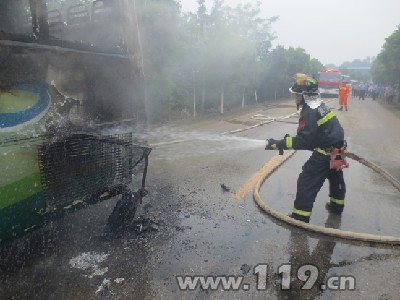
x=18, y=118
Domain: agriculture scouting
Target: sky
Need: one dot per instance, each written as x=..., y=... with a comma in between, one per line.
x=331, y=31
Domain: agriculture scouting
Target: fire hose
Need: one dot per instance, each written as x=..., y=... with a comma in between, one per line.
x=278, y=160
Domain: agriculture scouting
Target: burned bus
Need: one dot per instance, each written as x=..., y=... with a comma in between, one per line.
x=71, y=102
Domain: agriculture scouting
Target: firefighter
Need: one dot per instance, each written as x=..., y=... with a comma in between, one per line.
x=319, y=131
x=344, y=91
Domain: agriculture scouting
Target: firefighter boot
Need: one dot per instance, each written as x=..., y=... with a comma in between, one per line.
x=300, y=218
x=334, y=207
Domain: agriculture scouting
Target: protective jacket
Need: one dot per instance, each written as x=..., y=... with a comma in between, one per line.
x=344, y=91
x=318, y=128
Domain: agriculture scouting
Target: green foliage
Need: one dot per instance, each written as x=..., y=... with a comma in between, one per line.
x=232, y=43
x=386, y=67
x=280, y=66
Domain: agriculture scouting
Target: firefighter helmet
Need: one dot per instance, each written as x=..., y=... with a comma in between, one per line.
x=304, y=85
x=299, y=82
x=300, y=78
x=311, y=87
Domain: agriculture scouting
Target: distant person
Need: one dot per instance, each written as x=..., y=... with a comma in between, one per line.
x=362, y=91
x=389, y=92
x=357, y=90
x=373, y=91
x=344, y=91
x=319, y=130
x=381, y=91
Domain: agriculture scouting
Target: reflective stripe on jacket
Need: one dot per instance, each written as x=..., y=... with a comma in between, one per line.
x=344, y=91
x=318, y=128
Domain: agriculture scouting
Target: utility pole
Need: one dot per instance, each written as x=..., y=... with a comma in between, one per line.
x=194, y=94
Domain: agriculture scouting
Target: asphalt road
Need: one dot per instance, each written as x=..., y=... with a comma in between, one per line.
x=189, y=225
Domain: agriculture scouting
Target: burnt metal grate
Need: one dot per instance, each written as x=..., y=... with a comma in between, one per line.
x=83, y=165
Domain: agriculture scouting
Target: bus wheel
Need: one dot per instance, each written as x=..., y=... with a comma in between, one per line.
x=123, y=215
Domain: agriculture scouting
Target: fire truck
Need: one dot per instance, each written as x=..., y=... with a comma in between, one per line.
x=329, y=82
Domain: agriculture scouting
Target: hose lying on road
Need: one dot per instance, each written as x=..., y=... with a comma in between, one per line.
x=376, y=168
x=278, y=160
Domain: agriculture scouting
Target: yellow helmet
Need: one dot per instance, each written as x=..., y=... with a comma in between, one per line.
x=304, y=85
x=300, y=78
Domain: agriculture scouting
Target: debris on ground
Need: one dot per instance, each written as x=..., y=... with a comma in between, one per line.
x=245, y=268
x=145, y=225
x=226, y=189
x=104, y=290
x=119, y=280
x=89, y=261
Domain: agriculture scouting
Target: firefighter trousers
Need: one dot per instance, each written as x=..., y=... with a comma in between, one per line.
x=343, y=101
x=315, y=171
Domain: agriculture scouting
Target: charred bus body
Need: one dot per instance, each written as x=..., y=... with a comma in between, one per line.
x=71, y=101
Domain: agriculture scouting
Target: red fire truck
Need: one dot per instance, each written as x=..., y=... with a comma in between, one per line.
x=329, y=82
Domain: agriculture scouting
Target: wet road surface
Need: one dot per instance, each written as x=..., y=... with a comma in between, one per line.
x=195, y=227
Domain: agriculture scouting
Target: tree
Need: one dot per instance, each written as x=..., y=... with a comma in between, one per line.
x=281, y=64
x=232, y=46
x=386, y=67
